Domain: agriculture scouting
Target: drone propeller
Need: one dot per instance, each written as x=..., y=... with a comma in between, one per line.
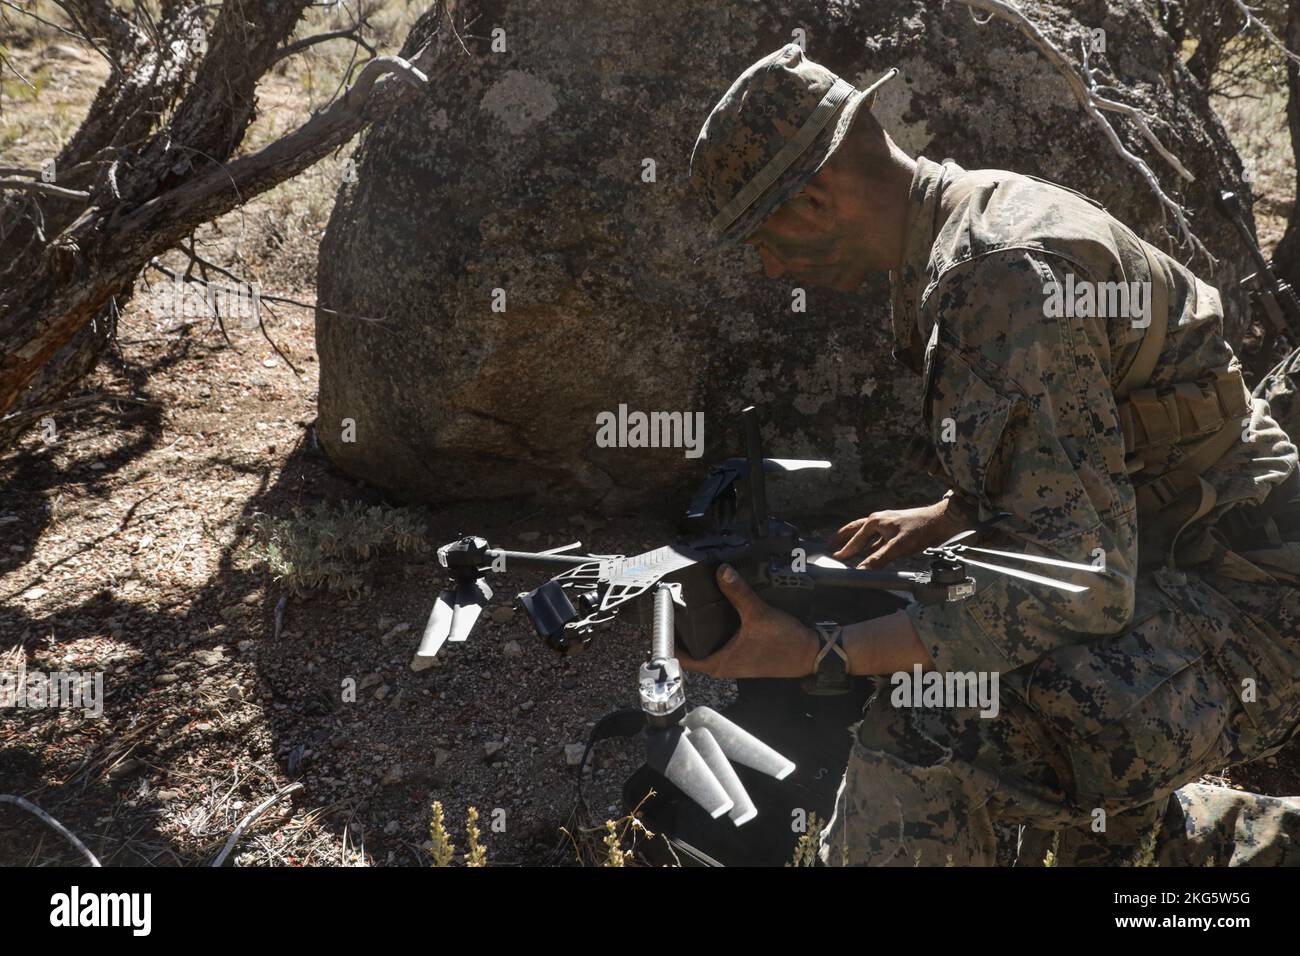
x=721, y=477
x=743, y=809
x=739, y=744
x=670, y=752
x=1031, y=558
x=1024, y=575
x=978, y=529
x=453, y=617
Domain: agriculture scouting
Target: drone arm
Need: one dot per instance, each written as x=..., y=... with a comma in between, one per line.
x=535, y=560
x=855, y=580
x=944, y=583
x=661, y=647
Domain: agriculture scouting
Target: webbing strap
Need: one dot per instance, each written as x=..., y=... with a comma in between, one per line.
x=786, y=155
x=1153, y=337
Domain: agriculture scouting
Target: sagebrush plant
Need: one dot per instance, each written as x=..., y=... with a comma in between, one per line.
x=443, y=850
x=324, y=545
x=477, y=854
x=806, y=847
x=613, y=843
x=1054, y=851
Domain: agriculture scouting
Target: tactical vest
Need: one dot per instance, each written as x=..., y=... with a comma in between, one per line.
x=1204, y=416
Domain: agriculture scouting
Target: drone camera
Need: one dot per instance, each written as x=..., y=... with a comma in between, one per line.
x=550, y=609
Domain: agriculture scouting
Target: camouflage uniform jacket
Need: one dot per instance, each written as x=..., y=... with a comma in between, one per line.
x=1020, y=401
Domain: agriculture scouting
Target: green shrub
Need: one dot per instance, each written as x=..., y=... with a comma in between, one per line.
x=324, y=546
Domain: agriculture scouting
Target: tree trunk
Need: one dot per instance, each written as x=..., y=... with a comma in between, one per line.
x=1286, y=258
x=146, y=196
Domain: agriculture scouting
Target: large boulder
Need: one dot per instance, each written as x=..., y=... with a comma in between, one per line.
x=555, y=171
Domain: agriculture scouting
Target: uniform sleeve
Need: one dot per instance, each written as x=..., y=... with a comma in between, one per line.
x=1022, y=415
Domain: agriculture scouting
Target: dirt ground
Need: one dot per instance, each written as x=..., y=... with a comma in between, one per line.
x=125, y=548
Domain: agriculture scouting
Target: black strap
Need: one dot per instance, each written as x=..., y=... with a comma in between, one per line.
x=620, y=723
x=1248, y=527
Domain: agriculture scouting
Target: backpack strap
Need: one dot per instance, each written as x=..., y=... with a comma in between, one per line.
x=1153, y=339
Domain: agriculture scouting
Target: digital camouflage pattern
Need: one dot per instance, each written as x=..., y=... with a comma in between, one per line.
x=1111, y=699
x=753, y=122
x=1279, y=388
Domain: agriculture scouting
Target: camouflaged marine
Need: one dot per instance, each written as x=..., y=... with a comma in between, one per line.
x=1076, y=378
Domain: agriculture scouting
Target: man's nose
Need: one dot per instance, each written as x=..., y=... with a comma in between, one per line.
x=772, y=267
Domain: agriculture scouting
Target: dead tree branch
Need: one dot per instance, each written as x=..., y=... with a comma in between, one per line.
x=1093, y=105
x=24, y=804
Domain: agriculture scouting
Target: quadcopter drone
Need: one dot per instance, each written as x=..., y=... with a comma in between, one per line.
x=674, y=591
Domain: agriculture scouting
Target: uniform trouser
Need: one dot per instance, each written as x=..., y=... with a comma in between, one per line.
x=1219, y=684
x=914, y=802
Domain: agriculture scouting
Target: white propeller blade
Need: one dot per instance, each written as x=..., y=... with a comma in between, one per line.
x=1027, y=576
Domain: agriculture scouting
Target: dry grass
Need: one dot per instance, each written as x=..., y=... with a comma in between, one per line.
x=1255, y=118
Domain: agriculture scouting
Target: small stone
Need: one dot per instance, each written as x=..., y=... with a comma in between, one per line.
x=210, y=657
x=370, y=680
x=492, y=748
x=527, y=705
x=573, y=754
x=440, y=757
x=382, y=692
x=394, y=774
x=168, y=795
x=500, y=615
x=398, y=629
x=164, y=679
x=124, y=767
x=512, y=649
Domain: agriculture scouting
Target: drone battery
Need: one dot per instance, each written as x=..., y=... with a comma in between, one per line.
x=703, y=628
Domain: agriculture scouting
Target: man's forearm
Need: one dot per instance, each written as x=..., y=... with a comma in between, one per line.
x=884, y=645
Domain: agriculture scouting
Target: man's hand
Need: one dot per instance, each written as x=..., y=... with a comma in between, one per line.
x=770, y=643
x=889, y=535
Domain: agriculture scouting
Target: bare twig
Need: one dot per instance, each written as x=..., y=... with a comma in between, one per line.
x=248, y=820
x=49, y=189
x=9, y=63
x=349, y=34
x=1088, y=100
x=54, y=824
x=1269, y=35
x=268, y=297
x=28, y=415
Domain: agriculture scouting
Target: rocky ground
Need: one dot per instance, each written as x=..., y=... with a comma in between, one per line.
x=125, y=550
x=127, y=546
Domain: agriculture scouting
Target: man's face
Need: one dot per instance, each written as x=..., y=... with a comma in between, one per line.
x=807, y=240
